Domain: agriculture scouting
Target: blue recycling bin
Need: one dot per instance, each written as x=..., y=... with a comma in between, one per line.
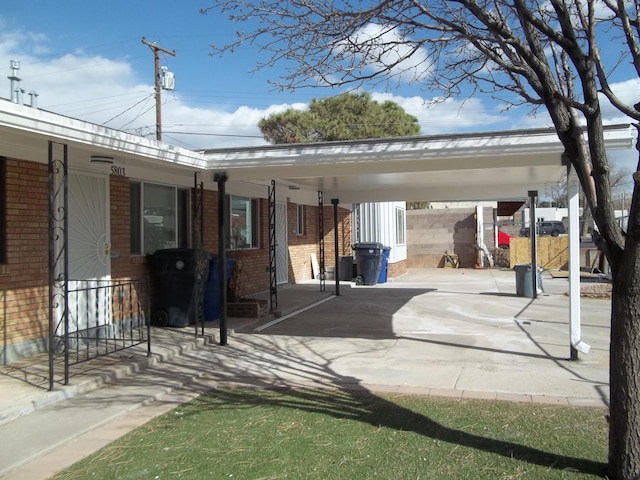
x=212, y=288
x=384, y=265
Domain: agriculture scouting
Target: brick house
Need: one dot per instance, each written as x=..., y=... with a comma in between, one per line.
x=128, y=196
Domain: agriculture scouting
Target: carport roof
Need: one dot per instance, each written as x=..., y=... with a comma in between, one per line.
x=470, y=166
x=476, y=166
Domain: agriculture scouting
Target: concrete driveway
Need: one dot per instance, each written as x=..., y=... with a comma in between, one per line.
x=454, y=332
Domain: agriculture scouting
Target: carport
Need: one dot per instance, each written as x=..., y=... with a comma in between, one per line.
x=502, y=166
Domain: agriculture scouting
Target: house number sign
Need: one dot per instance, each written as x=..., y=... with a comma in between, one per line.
x=117, y=171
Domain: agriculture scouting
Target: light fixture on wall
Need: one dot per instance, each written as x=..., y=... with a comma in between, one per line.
x=102, y=159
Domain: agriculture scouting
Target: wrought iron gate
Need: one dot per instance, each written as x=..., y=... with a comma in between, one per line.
x=95, y=317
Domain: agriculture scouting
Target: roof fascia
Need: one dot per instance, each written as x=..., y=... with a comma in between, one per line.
x=69, y=130
x=513, y=142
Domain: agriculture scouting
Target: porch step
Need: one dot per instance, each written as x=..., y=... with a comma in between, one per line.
x=24, y=385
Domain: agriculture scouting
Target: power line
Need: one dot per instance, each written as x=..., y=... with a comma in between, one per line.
x=135, y=118
x=131, y=107
x=216, y=134
x=98, y=99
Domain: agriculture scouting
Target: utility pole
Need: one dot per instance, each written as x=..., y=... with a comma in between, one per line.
x=156, y=49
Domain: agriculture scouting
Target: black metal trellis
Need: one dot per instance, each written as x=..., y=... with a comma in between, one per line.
x=58, y=258
x=321, y=240
x=356, y=221
x=273, y=244
x=202, y=259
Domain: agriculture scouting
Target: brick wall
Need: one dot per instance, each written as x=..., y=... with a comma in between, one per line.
x=210, y=208
x=251, y=274
x=251, y=271
x=394, y=270
x=344, y=234
x=24, y=277
x=301, y=247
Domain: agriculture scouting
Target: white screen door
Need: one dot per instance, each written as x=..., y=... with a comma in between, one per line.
x=89, y=251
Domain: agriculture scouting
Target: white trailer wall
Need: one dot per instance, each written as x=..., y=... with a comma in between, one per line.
x=384, y=223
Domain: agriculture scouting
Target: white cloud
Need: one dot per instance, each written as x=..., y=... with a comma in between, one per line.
x=384, y=47
x=218, y=128
x=445, y=115
x=627, y=91
x=106, y=92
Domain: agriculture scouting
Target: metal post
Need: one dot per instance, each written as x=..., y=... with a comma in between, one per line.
x=335, y=202
x=52, y=322
x=221, y=178
x=533, y=195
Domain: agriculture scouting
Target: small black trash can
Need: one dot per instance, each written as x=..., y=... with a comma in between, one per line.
x=368, y=258
x=346, y=268
x=524, y=287
x=179, y=277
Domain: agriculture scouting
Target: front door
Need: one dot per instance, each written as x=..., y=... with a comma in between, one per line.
x=89, y=251
x=282, y=251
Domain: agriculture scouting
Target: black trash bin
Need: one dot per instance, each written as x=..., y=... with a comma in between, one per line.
x=524, y=287
x=212, y=289
x=179, y=278
x=346, y=268
x=368, y=258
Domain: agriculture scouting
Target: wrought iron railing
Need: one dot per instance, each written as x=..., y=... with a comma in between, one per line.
x=103, y=317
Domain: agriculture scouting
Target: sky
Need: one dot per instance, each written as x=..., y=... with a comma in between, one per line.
x=85, y=59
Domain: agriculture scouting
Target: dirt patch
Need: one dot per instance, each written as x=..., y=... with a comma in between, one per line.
x=601, y=290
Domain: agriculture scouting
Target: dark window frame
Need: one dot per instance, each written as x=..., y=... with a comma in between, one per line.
x=235, y=240
x=182, y=212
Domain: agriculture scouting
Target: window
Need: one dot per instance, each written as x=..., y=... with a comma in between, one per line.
x=244, y=216
x=300, y=229
x=400, y=229
x=159, y=217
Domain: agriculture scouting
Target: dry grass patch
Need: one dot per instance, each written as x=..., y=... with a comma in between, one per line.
x=304, y=434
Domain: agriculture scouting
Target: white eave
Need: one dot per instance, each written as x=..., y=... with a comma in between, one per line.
x=29, y=129
x=479, y=166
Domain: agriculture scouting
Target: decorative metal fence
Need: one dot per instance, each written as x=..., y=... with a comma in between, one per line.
x=102, y=317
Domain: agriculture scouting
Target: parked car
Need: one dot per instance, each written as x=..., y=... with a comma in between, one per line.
x=503, y=240
x=553, y=228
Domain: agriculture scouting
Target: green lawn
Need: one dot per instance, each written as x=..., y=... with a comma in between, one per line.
x=303, y=434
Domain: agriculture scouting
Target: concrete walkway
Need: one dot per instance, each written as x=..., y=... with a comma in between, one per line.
x=454, y=333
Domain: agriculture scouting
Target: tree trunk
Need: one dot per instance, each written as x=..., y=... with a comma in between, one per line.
x=624, y=410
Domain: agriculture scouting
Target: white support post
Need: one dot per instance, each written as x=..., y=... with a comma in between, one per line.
x=479, y=236
x=576, y=344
